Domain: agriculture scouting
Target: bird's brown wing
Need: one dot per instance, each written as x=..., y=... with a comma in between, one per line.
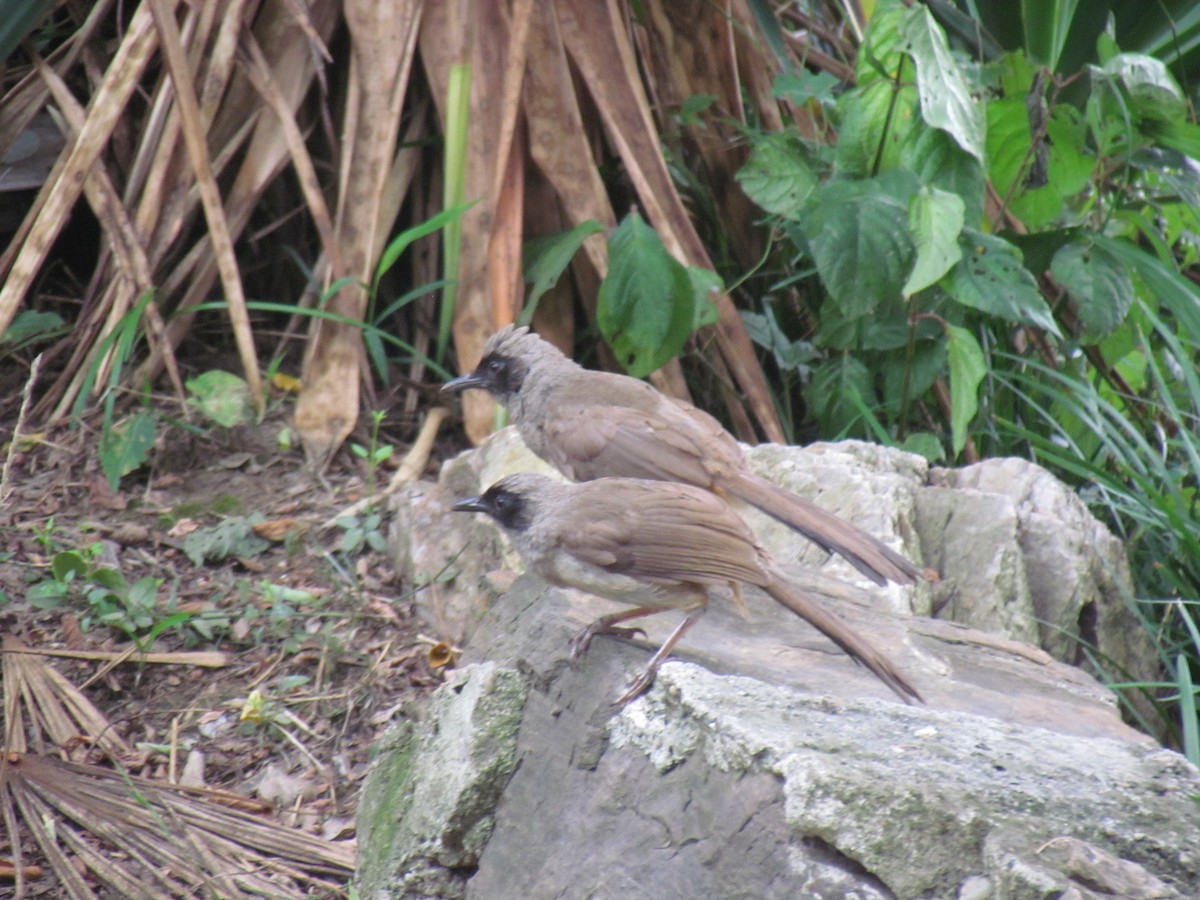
x=664, y=533
x=618, y=427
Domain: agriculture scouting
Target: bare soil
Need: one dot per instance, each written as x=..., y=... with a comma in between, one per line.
x=322, y=646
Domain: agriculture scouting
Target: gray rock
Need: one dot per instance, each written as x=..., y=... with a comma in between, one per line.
x=1076, y=571
x=778, y=784
x=427, y=806
x=764, y=763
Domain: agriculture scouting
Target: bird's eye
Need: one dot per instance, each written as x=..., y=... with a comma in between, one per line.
x=495, y=366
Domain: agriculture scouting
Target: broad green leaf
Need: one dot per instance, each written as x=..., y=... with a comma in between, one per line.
x=1016, y=74
x=222, y=396
x=764, y=330
x=646, y=304
x=1071, y=163
x=1046, y=24
x=885, y=46
x=991, y=278
x=1008, y=143
x=544, y=259
x=1164, y=284
x=692, y=107
x=946, y=100
x=833, y=384
x=18, y=21
x=926, y=444
x=1010, y=155
x=125, y=447
x=1037, y=250
x=706, y=285
x=1153, y=93
x=889, y=327
x=778, y=176
x=67, y=565
x=800, y=87
x=936, y=220
x=858, y=233
x=110, y=579
x=47, y=595
x=232, y=537
x=917, y=372
x=940, y=163
x=867, y=118
x=29, y=324
x=1099, y=284
x=967, y=371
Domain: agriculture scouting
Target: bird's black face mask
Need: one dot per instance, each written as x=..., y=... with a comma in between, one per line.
x=500, y=376
x=507, y=507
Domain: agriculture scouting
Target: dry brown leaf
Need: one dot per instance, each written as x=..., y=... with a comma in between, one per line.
x=120, y=80
x=43, y=710
x=141, y=838
x=278, y=529
x=383, y=38
x=195, y=139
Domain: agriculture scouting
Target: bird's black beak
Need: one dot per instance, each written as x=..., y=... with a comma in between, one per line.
x=464, y=382
x=471, y=504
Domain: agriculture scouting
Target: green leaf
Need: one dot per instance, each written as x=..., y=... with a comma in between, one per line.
x=779, y=174
x=858, y=233
x=690, y=109
x=125, y=447
x=834, y=383
x=1046, y=24
x=29, y=324
x=936, y=219
x=885, y=47
x=1071, y=164
x=967, y=371
x=47, y=595
x=1191, y=727
x=1011, y=154
x=800, y=87
x=867, y=118
x=706, y=286
x=109, y=579
x=222, y=396
x=991, y=279
x=18, y=21
x=646, y=305
x=917, y=372
x=1154, y=95
x=233, y=537
x=67, y=565
x=764, y=330
x=1008, y=143
x=946, y=100
x=926, y=444
x=1100, y=285
x=400, y=243
x=940, y=163
x=544, y=259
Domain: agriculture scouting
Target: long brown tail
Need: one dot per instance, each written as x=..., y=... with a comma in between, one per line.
x=869, y=555
x=858, y=647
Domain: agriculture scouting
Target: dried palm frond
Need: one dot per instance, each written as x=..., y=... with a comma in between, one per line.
x=97, y=826
x=142, y=838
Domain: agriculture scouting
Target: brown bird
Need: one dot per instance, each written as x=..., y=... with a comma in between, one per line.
x=598, y=424
x=654, y=545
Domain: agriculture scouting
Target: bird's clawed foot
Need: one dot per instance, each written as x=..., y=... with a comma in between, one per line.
x=583, y=638
x=639, y=685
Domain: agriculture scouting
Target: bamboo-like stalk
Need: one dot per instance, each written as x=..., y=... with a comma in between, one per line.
x=210, y=197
